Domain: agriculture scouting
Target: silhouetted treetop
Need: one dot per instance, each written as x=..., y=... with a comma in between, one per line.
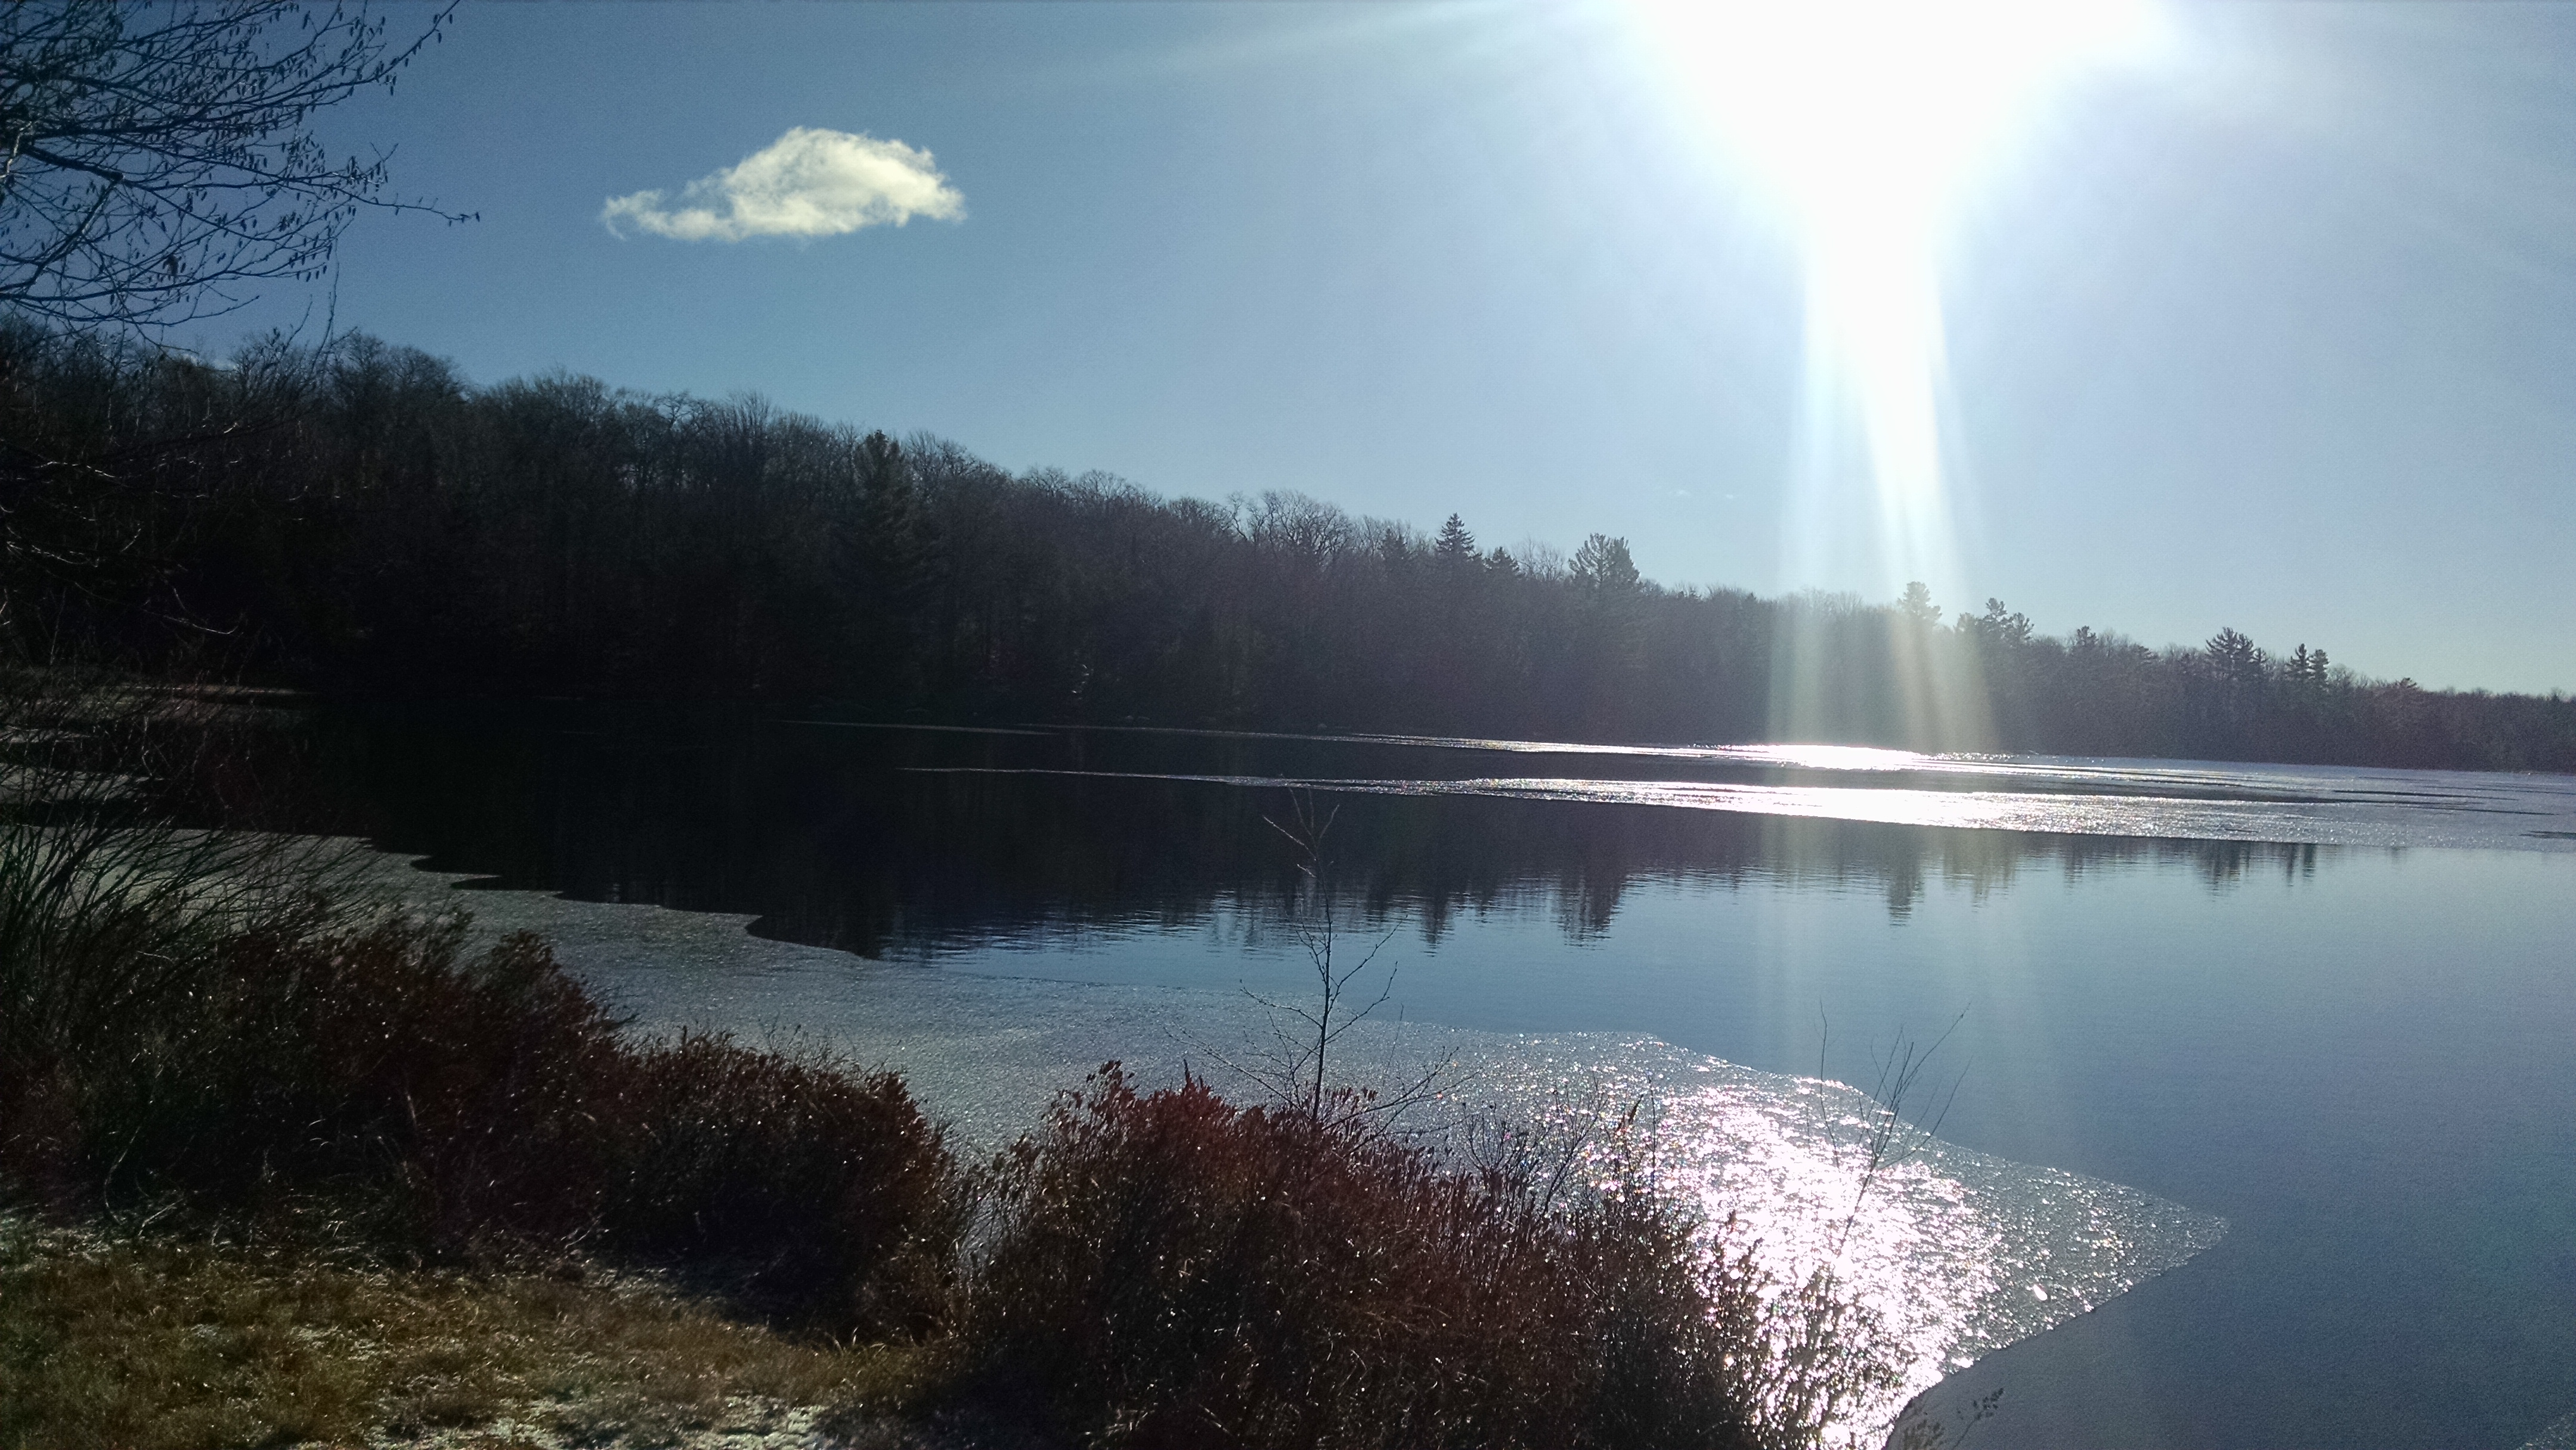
x=1602, y=566
x=1455, y=546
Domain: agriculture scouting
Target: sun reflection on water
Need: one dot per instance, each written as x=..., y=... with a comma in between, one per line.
x=2168, y=800
x=1954, y=1253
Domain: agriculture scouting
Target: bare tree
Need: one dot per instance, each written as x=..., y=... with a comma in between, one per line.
x=1296, y=1072
x=1892, y=1139
x=157, y=159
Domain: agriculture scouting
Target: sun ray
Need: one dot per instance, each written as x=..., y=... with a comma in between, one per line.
x=1865, y=121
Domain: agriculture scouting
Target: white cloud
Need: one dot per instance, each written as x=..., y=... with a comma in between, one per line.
x=808, y=183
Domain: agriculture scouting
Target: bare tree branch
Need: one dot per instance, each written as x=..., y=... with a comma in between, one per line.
x=156, y=160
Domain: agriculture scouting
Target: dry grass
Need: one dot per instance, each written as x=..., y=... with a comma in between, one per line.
x=161, y=1344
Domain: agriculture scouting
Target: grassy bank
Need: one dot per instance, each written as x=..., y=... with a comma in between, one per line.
x=362, y=1181
x=165, y=1342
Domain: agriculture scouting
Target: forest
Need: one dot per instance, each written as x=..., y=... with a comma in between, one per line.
x=359, y=519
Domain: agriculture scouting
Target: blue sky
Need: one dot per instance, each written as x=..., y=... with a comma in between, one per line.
x=2277, y=331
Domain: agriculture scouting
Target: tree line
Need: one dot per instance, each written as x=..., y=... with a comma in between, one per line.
x=360, y=519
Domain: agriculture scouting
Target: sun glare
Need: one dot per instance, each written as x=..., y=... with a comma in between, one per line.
x=1865, y=121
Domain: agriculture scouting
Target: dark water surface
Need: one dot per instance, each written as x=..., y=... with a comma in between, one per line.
x=2335, y=1008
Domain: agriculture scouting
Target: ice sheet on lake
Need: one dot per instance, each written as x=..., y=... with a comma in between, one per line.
x=2296, y=805
x=1960, y=1252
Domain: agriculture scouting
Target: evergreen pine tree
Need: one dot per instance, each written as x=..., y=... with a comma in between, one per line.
x=1455, y=546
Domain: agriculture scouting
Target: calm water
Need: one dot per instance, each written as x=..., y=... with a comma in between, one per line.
x=2272, y=1069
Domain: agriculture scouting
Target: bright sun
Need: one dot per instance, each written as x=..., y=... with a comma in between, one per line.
x=1866, y=120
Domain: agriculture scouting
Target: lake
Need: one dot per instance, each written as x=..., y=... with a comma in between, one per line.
x=2255, y=1087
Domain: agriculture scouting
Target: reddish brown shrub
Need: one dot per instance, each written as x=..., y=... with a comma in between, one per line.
x=824, y=1193
x=1169, y=1269
x=454, y=1097
x=453, y=1106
